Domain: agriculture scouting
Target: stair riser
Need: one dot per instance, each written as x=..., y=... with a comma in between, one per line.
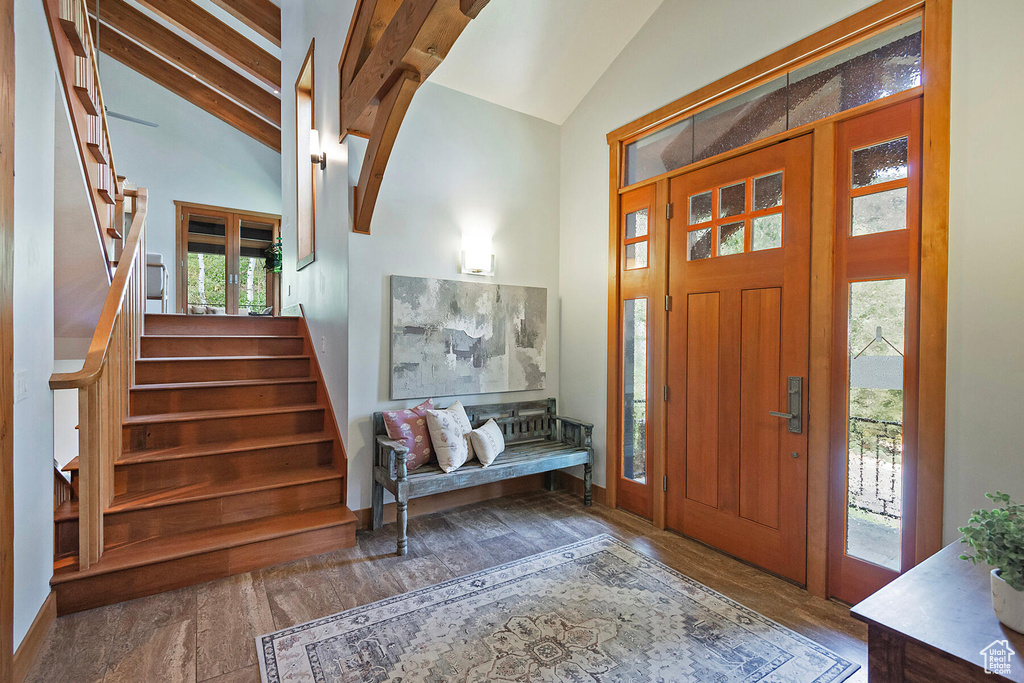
x=106, y=589
x=168, y=434
x=65, y=538
x=177, y=347
x=160, y=401
x=219, y=468
x=221, y=325
x=213, y=370
x=138, y=525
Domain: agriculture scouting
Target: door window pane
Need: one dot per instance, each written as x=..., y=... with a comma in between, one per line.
x=636, y=224
x=252, y=285
x=880, y=212
x=730, y=239
x=700, y=244
x=634, y=427
x=206, y=278
x=768, y=191
x=874, y=500
x=767, y=232
x=732, y=200
x=700, y=208
x=880, y=163
x=636, y=255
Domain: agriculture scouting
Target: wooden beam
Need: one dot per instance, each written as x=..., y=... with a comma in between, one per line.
x=471, y=8
x=390, y=114
x=261, y=16
x=162, y=73
x=369, y=20
x=6, y=339
x=134, y=24
x=215, y=34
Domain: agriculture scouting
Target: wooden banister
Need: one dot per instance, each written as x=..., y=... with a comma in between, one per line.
x=104, y=381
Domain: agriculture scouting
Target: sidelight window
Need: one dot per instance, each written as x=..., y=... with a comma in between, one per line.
x=634, y=399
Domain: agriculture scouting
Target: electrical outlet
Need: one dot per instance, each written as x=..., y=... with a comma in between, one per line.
x=20, y=386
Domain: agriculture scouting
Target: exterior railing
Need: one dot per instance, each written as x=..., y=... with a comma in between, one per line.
x=875, y=467
x=104, y=381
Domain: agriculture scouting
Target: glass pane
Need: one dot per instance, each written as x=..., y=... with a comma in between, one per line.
x=745, y=118
x=768, y=191
x=732, y=200
x=665, y=150
x=252, y=285
x=634, y=427
x=767, y=232
x=700, y=244
x=874, y=499
x=636, y=224
x=206, y=273
x=877, y=67
x=880, y=212
x=730, y=239
x=636, y=255
x=700, y=208
x=880, y=163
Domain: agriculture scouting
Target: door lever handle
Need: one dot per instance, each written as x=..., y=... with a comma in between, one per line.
x=795, y=391
x=787, y=416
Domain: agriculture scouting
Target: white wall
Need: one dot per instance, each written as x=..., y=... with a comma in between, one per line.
x=681, y=49
x=192, y=157
x=35, y=83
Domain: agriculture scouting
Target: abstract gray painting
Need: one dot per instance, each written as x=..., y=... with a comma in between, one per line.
x=452, y=338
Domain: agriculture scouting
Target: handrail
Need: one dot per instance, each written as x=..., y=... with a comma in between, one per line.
x=100, y=343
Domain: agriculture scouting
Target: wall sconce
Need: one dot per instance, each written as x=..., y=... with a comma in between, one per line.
x=477, y=262
x=316, y=155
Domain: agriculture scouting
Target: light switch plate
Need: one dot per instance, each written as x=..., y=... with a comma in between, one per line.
x=20, y=386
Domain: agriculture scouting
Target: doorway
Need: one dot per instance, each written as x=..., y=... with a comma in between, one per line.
x=221, y=257
x=739, y=279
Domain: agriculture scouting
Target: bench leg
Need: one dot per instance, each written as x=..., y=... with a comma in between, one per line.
x=551, y=480
x=403, y=527
x=588, y=475
x=378, y=505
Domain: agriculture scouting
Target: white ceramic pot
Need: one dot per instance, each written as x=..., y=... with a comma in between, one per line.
x=1008, y=602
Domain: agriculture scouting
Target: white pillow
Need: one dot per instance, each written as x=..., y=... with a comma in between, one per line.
x=488, y=442
x=449, y=435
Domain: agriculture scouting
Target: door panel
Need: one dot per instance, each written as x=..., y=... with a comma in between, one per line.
x=739, y=258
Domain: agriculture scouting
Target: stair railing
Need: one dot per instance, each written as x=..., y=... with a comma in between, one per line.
x=104, y=381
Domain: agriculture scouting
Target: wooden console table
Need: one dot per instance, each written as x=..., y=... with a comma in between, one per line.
x=932, y=623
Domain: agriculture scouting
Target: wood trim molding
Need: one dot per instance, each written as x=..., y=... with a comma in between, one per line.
x=6, y=338
x=305, y=104
x=33, y=641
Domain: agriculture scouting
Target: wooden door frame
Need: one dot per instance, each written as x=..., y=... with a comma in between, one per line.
x=935, y=94
x=181, y=246
x=6, y=339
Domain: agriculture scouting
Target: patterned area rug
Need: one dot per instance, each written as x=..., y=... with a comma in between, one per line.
x=595, y=611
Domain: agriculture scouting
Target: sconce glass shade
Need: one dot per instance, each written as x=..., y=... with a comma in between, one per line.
x=477, y=263
x=315, y=154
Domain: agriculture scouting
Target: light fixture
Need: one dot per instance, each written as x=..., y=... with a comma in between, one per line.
x=477, y=261
x=315, y=154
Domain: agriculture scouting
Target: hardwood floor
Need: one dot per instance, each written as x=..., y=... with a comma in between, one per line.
x=205, y=633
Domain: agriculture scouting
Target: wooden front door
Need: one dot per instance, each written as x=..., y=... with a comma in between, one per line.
x=739, y=276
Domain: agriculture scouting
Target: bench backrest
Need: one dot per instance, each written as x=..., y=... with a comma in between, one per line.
x=520, y=421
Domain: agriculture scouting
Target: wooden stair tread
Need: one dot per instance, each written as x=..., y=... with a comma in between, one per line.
x=202, y=450
x=221, y=336
x=165, y=548
x=174, y=359
x=223, y=384
x=219, y=414
x=143, y=500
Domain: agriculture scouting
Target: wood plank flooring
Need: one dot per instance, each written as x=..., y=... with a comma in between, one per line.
x=205, y=633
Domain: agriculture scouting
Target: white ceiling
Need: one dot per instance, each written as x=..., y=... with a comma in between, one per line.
x=541, y=57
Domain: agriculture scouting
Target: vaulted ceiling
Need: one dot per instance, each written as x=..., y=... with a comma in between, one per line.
x=221, y=55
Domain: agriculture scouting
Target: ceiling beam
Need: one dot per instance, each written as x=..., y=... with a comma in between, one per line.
x=137, y=26
x=138, y=58
x=219, y=37
x=261, y=16
x=391, y=48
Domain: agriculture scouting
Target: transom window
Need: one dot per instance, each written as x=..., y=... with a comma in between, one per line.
x=736, y=218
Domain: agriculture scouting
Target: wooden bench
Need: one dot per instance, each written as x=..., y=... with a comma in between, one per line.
x=536, y=440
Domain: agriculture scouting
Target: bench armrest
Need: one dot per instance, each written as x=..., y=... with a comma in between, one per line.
x=575, y=432
x=394, y=453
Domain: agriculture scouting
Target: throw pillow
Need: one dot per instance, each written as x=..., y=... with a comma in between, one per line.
x=488, y=442
x=409, y=427
x=449, y=434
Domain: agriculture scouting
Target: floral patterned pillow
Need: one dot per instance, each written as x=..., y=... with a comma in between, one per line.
x=409, y=427
x=449, y=433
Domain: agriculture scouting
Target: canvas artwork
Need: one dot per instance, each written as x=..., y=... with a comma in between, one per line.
x=453, y=338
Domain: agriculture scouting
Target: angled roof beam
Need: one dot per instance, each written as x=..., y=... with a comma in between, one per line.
x=219, y=37
x=261, y=16
x=391, y=48
x=139, y=59
x=166, y=43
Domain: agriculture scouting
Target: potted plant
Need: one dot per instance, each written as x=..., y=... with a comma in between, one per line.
x=997, y=537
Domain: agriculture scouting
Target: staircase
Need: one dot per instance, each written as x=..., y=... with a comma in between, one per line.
x=231, y=461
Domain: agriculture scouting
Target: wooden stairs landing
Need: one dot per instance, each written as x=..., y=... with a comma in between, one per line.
x=232, y=461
